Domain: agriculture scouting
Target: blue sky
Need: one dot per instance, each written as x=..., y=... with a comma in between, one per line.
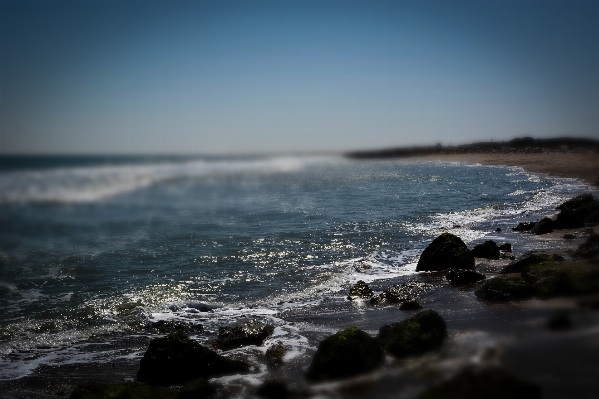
x=262, y=76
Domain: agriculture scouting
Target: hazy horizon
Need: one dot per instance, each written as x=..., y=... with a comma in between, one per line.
x=248, y=77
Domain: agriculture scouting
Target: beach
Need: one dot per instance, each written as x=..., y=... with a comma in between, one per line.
x=509, y=334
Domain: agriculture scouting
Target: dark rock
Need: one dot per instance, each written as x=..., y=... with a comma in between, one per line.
x=506, y=246
x=360, y=290
x=176, y=359
x=460, y=277
x=488, y=250
x=421, y=333
x=504, y=289
x=406, y=292
x=498, y=229
x=273, y=390
x=345, y=354
x=593, y=218
x=171, y=326
x=530, y=259
x=445, y=252
x=137, y=390
x=197, y=389
x=569, y=236
x=550, y=279
x=577, y=202
x=524, y=226
x=560, y=320
x=274, y=355
x=487, y=383
x=411, y=305
x=588, y=249
x=574, y=212
x=245, y=332
x=543, y=226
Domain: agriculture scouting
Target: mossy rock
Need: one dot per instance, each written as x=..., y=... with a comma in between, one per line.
x=550, y=279
x=505, y=288
x=588, y=249
x=487, y=249
x=531, y=259
x=197, y=389
x=176, y=359
x=447, y=251
x=574, y=212
x=491, y=383
x=543, y=226
x=345, y=354
x=423, y=332
x=131, y=390
x=577, y=202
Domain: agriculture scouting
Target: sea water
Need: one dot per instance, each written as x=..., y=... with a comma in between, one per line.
x=93, y=248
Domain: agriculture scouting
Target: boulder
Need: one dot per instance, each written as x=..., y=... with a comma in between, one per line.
x=462, y=277
x=405, y=292
x=345, y=354
x=530, y=259
x=176, y=359
x=423, y=332
x=274, y=355
x=505, y=288
x=577, y=202
x=550, y=279
x=574, y=212
x=360, y=290
x=524, y=226
x=197, y=389
x=488, y=250
x=543, y=226
x=171, y=326
x=569, y=236
x=445, y=252
x=588, y=249
x=137, y=390
x=245, y=332
x=506, y=247
x=487, y=383
x=411, y=305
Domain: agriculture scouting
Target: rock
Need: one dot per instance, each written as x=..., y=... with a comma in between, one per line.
x=245, y=332
x=411, y=305
x=197, y=389
x=524, y=226
x=445, y=252
x=488, y=250
x=529, y=259
x=569, y=236
x=273, y=390
x=360, y=290
x=593, y=218
x=137, y=390
x=543, y=226
x=460, y=277
x=504, y=288
x=498, y=229
x=171, y=326
x=423, y=332
x=588, y=249
x=560, y=320
x=487, y=383
x=345, y=354
x=577, y=202
x=406, y=292
x=176, y=359
x=506, y=246
x=550, y=279
x=274, y=355
x=574, y=212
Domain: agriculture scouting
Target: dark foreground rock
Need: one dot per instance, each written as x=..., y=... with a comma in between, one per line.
x=487, y=249
x=524, y=226
x=274, y=355
x=130, y=390
x=197, y=389
x=421, y=333
x=411, y=305
x=543, y=226
x=491, y=383
x=505, y=288
x=506, y=247
x=574, y=212
x=176, y=359
x=588, y=249
x=530, y=259
x=273, y=390
x=406, y=292
x=345, y=354
x=172, y=326
x=245, y=332
x=360, y=290
x=463, y=277
x=550, y=279
x=445, y=252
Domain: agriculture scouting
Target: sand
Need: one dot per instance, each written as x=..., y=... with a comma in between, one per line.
x=583, y=166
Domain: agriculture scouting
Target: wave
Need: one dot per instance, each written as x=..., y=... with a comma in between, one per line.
x=93, y=183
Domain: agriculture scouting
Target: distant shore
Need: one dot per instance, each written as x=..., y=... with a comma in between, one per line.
x=565, y=157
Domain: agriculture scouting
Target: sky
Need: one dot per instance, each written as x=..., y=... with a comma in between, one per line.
x=224, y=77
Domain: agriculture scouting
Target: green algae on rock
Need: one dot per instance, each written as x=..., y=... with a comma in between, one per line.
x=447, y=251
x=550, y=279
x=176, y=359
x=505, y=288
x=421, y=333
x=530, y=259
x=490, y=383
x=345, y=354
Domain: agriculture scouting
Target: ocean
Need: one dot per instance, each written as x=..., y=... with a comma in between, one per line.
x=93, y=248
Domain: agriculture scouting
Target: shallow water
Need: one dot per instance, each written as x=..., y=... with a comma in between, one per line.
x=91, y=249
